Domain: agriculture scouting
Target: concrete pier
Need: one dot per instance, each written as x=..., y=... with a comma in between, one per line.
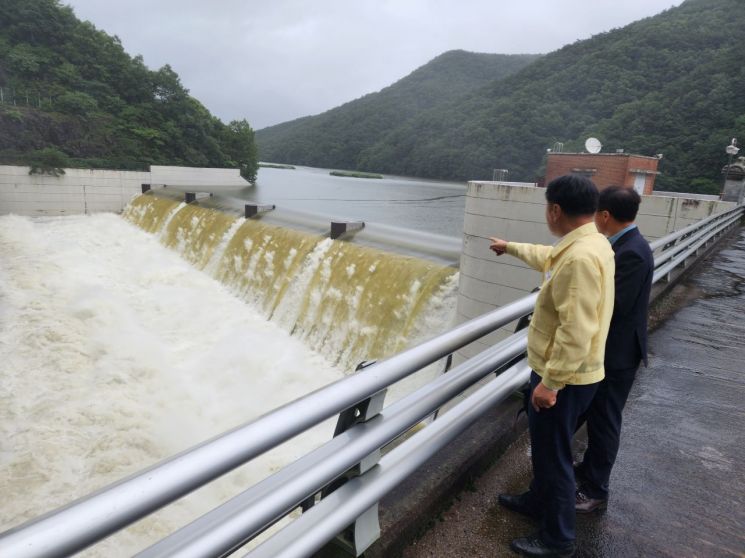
x=678, y=488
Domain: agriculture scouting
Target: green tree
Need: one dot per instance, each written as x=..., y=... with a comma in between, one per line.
x=95, y=103
x=48, y=161
x=240, y=146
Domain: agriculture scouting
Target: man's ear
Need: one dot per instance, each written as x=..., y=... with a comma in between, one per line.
x=554, y=210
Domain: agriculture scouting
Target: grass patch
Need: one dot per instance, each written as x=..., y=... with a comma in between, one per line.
x=355, y=174
x=275, y=166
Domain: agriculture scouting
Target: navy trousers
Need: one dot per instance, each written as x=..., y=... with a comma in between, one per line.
x=604, y=419
x=553, y=487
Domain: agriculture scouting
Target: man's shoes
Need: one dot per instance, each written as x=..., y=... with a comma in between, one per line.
x=534, y=546
x=586, y=504
x=520, y=503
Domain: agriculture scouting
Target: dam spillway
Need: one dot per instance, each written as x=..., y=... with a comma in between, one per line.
x=347, y=301
x=118, y=352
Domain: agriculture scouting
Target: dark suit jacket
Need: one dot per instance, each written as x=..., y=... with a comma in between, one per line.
x=627, y=338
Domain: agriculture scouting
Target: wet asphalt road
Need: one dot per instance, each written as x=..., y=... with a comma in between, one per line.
x=678, y=488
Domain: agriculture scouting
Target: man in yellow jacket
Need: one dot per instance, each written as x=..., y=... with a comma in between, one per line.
x=566, y=349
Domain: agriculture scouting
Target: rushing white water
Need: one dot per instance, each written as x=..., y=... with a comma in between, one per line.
x=117, y=353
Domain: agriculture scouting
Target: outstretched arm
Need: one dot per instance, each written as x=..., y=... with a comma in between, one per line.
x=535, y=255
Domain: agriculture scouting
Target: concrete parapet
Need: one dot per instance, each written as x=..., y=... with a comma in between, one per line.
x=734, y=191
x=78, y=191
x=81, y=191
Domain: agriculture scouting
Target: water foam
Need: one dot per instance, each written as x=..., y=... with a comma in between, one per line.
x=117, y=353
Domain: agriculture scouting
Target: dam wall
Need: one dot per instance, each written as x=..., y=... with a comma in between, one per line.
x=346, y=301
x=87, y=191
x=516, y=212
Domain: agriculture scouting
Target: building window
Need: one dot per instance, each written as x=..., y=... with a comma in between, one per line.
x=588, y=173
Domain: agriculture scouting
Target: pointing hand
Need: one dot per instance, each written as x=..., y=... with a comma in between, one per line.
x=498, y=246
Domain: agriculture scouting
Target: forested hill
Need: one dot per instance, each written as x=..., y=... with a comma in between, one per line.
x=71, y=96
x=670, y=84
x=336, y=138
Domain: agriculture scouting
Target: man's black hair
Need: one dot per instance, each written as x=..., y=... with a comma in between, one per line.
x=575, y=194
x=622, y=203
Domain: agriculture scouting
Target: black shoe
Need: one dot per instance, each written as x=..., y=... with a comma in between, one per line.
x=587, y=504
x=534, y=546
x=520, y=503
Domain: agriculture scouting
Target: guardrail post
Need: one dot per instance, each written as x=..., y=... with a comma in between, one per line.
x=366, y=529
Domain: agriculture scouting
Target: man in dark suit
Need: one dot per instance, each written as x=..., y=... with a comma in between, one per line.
x=625, y=348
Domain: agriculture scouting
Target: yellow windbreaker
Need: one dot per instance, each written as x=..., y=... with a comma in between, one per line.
x=566, y=339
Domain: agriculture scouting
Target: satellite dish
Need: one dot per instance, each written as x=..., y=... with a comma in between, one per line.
x=593, y=145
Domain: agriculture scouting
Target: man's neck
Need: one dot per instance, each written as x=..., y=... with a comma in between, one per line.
x=615, y=227
x=567, y=225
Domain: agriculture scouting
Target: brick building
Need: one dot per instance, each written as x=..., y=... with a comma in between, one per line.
x=606, y=169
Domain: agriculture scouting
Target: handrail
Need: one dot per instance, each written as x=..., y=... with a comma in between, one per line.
x=92, y=518
x=693, y=227
x=323, y=521
x=245, y=515
x=693, y=246
x=676, y=248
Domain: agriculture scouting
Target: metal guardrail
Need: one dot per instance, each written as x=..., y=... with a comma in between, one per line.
x=228, y=527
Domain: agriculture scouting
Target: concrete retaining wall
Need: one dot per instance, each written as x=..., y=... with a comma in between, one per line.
x=78, y=191
x=518, y=213
x=83, y=191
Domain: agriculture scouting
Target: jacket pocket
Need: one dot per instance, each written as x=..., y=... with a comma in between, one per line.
x=541, y=343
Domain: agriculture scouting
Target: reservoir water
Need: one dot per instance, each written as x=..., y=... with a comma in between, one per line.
x=424, y=205
x=126, y=339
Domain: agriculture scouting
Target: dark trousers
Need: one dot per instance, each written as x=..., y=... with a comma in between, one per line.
x=553, y=486
x=604, y=419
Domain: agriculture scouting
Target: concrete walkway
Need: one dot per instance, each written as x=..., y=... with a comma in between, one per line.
x=678, y=488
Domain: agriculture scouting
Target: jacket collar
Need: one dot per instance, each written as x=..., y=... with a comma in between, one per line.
x=570, y=238
x=628, y=235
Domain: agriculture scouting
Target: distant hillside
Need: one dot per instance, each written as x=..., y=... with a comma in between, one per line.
x=668, y=84
x=336, y=138
x=71, y=96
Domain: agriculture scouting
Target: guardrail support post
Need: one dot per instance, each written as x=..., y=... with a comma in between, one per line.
x=366, y=529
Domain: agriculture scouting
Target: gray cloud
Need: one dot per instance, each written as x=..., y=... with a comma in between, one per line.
x=272, y=61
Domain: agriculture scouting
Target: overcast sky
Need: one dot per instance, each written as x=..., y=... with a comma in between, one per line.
x=274, y=60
